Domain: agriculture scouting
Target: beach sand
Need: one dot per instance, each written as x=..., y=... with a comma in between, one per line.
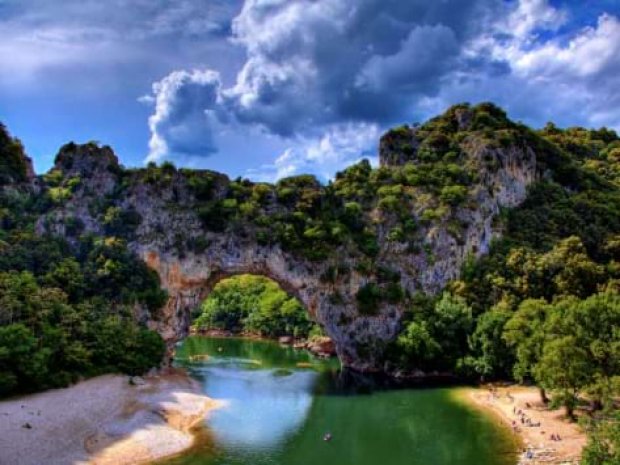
x=103, y=421
x=504, y=401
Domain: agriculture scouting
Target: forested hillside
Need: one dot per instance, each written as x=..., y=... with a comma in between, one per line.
x=538, y=301
x=66, y=311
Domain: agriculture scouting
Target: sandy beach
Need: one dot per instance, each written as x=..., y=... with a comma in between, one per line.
x=507, y=402
x=103, y=421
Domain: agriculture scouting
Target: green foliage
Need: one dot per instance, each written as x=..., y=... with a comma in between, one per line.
x=254, y=304
x=201, y=184
x=66, y=311
x=46, y=341
x=435, y=337
x=121, y=223
x=387, y=288
x=569, y=347
x=369, y=297
x=59, y=195
x=13, y=166
x=524, y=332
x=563, y=367
x=489, y=354
x=453, y=195
x=603, y=447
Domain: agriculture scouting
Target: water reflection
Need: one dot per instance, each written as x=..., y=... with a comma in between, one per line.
x=281, y=402
x=254, y=416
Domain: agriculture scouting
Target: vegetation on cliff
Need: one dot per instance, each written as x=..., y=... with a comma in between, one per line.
x=541, y=306
x=66, y=311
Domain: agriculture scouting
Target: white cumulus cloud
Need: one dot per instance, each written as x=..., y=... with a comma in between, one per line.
x=324, y=76
x=184, y=118
x=339, y=147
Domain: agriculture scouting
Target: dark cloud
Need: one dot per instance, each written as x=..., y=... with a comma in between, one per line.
x=319, y=62
x=307, y=78
x=313, y=66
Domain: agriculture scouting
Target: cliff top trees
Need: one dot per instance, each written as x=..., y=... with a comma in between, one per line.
x=13, y=164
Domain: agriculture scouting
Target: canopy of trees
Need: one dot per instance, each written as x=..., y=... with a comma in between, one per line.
x=254, y=304
x=543, y=305
x=66, y=310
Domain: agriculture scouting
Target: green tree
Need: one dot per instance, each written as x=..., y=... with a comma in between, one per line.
x=564, y=369
x=603, y=447
x=22, y=364
x=594, y=323
x=524, y=333
x=436, y=337
x=490, y=354
x=255, y=304
x=67, y=275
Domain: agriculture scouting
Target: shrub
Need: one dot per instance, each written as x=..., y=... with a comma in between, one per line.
x=453, y=195
x=369, y=298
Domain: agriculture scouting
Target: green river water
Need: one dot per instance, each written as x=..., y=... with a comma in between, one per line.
x=280, y=403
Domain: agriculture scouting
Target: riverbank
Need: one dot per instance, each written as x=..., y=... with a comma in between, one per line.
x=514, y=403
x=103, y=421
x=320, y=346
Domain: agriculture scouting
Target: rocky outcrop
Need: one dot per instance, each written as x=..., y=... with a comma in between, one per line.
x=398, y=146
x=168, y=213
x=320, y=346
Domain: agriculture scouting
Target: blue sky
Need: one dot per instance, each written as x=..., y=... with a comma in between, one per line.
x=270, y=88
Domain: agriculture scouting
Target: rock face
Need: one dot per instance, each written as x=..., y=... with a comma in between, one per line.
x=168, y=205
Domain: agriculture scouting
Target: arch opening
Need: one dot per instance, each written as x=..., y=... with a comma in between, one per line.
x=252, y=304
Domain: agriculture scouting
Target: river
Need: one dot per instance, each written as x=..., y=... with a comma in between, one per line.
x=280, y=403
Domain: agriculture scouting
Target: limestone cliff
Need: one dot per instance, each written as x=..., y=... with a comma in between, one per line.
x=353, y=251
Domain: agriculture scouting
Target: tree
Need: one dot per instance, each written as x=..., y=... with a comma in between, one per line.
x=16, y=290
x=452, y=323
x=524, y=333
x=564, y=369
x=436, y=338
x=67, y=275
x=13, y=167
x=603, y=447
x=490, y=354
x=417, y=344
x=21, y=363
x=256, y=304
x=594, y=323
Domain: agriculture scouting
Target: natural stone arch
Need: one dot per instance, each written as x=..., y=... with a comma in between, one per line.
x=189, y=281
x=186, y=293
x=192, y=204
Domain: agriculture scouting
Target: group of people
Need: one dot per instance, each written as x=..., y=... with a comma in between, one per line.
x=525, y=420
